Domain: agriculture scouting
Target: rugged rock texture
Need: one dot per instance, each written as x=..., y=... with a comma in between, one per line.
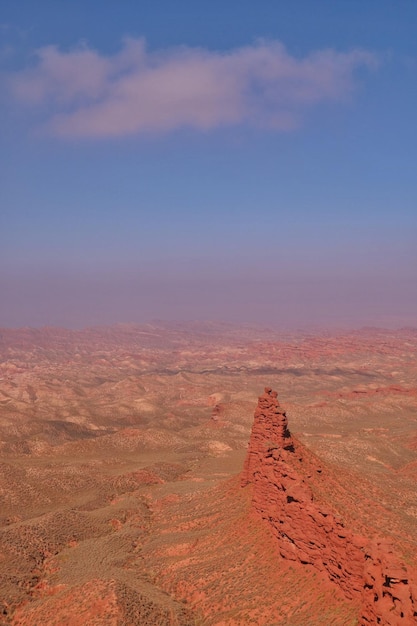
x=282, y=473
x=390, y=596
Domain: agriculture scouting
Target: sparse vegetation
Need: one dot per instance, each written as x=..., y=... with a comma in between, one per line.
x=117, y=485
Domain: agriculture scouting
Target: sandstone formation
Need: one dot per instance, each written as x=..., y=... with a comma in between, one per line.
x=283, y=473
x=120, y=452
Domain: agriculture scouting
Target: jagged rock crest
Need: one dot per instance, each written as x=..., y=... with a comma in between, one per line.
x=310, y=533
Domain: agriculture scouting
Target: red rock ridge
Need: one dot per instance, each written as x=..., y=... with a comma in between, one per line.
x=281, y=470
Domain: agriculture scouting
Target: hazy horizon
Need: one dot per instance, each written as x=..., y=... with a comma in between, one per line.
x=225, y=162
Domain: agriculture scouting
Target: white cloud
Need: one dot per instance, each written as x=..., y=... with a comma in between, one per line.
x=86, y=94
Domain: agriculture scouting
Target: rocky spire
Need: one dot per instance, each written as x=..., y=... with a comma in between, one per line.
x=280, y=471
x=270, y=436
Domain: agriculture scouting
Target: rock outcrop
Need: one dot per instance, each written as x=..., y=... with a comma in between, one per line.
x=282, y=473
x=389, y=594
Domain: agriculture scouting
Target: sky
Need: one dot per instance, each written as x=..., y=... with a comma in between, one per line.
x=237, y=161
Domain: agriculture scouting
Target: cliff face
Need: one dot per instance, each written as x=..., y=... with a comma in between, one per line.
x=281, y=472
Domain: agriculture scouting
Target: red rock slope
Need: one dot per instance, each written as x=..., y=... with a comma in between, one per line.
x=282, y=472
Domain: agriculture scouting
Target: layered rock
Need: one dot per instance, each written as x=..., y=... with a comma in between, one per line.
x=281, y=472
x=389, y=594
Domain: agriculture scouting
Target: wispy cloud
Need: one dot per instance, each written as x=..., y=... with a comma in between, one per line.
x=85, y=94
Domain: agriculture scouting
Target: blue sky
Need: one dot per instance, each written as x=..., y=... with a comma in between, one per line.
x=237, y=161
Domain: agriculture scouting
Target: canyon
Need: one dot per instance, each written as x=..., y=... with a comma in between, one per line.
x=137, y=487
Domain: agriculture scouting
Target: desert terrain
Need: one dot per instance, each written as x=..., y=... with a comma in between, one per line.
x=122, y=497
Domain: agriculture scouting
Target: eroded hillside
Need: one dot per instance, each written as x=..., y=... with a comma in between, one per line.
x=120, y=449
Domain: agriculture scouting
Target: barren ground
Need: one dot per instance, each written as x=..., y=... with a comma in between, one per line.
x=120, y=450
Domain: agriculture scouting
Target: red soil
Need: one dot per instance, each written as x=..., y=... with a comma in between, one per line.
x=282, y=472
